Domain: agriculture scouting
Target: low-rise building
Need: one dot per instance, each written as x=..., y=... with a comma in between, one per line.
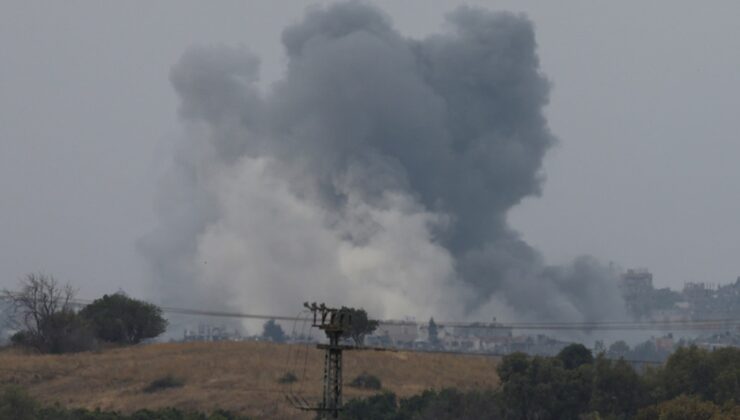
x=396, y=333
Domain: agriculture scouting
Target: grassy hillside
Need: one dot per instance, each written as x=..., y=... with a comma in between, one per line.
x=238, y=376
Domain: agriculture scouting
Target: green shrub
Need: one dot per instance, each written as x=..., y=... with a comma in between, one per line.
x=377, y=407
x=575, y=355
x=447, y=404
x=59, y=332
x=21, y=338
x=288, y=378
x=120, y=319
x=273, y=331
x=67, y=332
x=712, y=375
x=16, y=404
x=682, y=408
x=359, y=324
x=164, y=382
x=366, y=381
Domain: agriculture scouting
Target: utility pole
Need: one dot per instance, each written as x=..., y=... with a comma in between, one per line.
x=334, y=322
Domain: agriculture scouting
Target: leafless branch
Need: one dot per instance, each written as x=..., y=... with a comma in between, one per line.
x=39, y=298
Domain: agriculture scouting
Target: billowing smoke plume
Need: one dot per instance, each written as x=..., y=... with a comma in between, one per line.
x=377, y=173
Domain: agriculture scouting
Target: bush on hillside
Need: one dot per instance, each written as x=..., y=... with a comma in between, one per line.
x=163, y=383
x=693, y=384
x=377, y=407
x=120, y=319
x=711, y=375
x=288, y=378
x=447, y=404
x=61, y=332
x=366, y=381
x=689, y=407
x=575, y=356
x=359, y=324
x=15, y=403
x=273, y=331
x=43, y=314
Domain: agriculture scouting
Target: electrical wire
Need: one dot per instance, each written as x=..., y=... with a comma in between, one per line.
x=670, y=325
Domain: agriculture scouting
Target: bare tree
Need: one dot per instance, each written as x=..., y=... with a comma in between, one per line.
x=5, y=319
x=36, y=308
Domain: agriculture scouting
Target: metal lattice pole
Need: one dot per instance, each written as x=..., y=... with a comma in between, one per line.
x=334, y=322
x=333, y=377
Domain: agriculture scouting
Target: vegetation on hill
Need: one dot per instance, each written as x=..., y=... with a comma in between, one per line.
x=44, y=317
x=245, y=379
x=366, y=381
x=446, y=404
x=360, y=326
x=242, y=377
x=165, y=382
x=694, y=384
x=272, y=331
x=288, y=378
x=16, y=404
x=42, y=313
x=120, y=319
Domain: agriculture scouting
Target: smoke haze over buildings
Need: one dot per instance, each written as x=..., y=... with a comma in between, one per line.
x=377, y=173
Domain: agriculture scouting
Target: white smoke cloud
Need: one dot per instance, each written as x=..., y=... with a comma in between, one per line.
x=271, y=248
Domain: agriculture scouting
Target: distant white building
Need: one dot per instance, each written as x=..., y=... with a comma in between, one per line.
x=207, y=332
x=397, y=333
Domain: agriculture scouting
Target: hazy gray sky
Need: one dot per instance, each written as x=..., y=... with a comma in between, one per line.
x=645, y=104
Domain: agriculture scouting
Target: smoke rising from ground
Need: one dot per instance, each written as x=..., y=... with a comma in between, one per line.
x=377, y=173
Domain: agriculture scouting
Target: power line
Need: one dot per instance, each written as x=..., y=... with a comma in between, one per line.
x=674, y=325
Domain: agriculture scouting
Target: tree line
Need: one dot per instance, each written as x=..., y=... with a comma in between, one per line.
x=693, y=384
x=45, y=318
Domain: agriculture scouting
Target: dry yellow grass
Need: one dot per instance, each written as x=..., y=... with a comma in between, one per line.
x=238, y=376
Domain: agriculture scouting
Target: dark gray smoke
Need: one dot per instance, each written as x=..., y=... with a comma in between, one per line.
x=378, y=172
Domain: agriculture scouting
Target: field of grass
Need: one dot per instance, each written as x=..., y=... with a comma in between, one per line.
x=237, y=376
